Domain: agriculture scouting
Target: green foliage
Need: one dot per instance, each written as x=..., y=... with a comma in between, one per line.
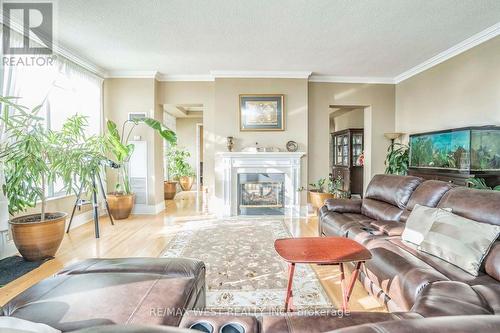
x=33, y=156
x=122, y=151
x=397, y=159
x=480, y=184
x=177, y=163
x=319, y=186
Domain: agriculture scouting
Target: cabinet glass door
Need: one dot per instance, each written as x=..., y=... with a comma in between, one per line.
x=357, y=148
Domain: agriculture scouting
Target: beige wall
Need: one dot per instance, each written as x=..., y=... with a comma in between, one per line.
x=201, y=93
x=186, y=136
x=350, y=119
x=379, y=111
x=462, y=91
x=122, y=96
x=227, y=123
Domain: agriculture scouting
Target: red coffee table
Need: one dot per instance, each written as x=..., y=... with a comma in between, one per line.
x=322, y=251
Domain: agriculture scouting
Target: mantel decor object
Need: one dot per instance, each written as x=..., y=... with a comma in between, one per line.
x=230, y=143
x=292, y=146
x=262, y=113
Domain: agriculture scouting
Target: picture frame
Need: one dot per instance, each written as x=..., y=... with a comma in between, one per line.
x=262, y=112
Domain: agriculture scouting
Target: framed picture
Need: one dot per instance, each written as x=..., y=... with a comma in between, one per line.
x=262, y=113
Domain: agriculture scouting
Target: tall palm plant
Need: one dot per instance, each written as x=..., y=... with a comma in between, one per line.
x=397, y=160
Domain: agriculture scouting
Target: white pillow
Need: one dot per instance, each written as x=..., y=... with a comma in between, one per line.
x=420, y=222
x=16, y=325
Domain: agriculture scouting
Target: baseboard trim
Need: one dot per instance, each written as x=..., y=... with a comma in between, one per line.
x=148, y=209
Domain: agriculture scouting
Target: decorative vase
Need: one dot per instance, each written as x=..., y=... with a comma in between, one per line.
x=230, y=143
x=186, y=182
x=318, y=198
x=169, y=189
x=35, y=239
x=120, y=205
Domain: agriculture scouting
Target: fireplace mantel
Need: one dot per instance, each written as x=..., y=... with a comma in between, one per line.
x=233, y=163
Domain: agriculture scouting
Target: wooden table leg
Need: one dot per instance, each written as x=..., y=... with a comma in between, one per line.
x=289, y=295
x=354, y=276
x=342, y=286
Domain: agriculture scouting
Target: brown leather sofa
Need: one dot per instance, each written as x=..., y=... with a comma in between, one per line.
x=113, y=291
x=398, y=274
x=463, y=324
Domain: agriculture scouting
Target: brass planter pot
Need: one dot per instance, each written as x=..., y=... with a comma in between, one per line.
x=186, y=183
x=36, y=240
x=169, y=189
x=120, y=205
x=317, y=199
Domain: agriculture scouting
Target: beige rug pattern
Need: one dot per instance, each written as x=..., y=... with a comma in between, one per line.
x=244, y=272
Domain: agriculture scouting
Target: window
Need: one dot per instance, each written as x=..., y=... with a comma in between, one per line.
x=63, y=89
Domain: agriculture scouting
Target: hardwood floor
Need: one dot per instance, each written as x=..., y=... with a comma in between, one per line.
x=148, y=235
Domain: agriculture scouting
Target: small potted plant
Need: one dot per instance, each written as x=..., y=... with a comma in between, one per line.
x=32, y=156
x=121, y=201
x=325, y=189
x=179, y=169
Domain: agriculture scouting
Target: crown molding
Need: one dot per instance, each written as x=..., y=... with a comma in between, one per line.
x=351, y=79
x=185, y=77
x=132, y=75
x=80, y=61
x=453, y=51
x=261, y=74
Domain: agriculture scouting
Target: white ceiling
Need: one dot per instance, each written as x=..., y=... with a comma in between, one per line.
x=362, y=38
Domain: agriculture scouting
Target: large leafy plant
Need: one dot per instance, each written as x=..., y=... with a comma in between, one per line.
x=397, y=159
x=177, y=163
x=33, y=156
x=117, y=144
x=480, y=184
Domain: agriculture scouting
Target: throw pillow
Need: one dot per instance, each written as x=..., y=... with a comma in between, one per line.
x=419, y=223
x=16, y=325
x=460, y=241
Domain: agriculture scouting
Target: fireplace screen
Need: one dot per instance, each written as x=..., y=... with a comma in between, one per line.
x=261, y=194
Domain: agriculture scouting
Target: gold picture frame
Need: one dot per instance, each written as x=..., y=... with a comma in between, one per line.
x=262, y=112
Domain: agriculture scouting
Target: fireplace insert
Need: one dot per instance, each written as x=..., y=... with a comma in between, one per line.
x=261, y=194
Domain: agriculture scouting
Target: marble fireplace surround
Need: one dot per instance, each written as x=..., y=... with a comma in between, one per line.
x=233, y=163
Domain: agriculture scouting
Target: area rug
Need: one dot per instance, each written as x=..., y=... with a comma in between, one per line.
x=244, y=272
x=14, y=267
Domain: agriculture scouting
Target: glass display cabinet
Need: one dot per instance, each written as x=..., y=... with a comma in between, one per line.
x=347, y=146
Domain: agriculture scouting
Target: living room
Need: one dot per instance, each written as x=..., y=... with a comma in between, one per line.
x=258, y=166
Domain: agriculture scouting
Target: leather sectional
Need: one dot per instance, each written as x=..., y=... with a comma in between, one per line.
x=398, y=274
x=424, y=293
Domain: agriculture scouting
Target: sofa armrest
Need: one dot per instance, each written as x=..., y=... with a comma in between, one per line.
x=344, y=205
x=390, y=228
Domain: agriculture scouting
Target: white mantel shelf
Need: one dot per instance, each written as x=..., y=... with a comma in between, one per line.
x=230, y=164
x=247, y=154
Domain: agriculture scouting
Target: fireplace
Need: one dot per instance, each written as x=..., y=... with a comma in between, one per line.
x=261, y=194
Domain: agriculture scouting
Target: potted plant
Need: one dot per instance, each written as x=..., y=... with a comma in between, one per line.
x=179, y=169
x=325, y=189
x=121, y=201
x=32, y=156
x=480, y=184
x=397, y=160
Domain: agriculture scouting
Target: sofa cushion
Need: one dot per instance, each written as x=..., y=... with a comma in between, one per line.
x=477, y=205
x=392, y=189
x=492, y=261
x=380, y=210
x=398, y=273
x=462, y=324
x=109, y=291
x=344, y=205
x=292, y=323
x=429, y=193
x=459, y=241
x=390, y=228
x=337, y=224
x=452, y=298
